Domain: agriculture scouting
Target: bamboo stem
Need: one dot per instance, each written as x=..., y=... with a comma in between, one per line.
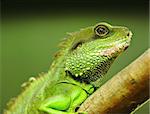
x=124, y=92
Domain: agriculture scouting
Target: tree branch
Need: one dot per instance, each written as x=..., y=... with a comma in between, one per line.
x=124, y=92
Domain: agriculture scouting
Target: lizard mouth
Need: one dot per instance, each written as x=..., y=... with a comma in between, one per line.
x=118, y=47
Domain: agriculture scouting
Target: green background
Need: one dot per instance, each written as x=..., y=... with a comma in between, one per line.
x=29, y=41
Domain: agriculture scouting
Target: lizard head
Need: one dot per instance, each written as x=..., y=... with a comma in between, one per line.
x=93, y=50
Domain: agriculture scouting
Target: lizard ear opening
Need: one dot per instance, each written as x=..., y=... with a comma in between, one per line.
x=77, y=45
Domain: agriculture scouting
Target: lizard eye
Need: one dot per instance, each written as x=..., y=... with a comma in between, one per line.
x=101, y=30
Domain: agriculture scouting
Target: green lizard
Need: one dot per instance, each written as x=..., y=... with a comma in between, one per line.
x=76, y=72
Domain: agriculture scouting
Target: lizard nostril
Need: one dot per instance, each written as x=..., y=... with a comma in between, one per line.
x=128, y=34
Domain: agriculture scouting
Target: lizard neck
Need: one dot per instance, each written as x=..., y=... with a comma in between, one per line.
x=57, y=70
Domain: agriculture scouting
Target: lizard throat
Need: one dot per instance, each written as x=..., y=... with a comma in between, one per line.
x=93, y=74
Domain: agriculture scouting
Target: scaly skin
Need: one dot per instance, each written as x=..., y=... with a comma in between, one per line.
x=76, y=72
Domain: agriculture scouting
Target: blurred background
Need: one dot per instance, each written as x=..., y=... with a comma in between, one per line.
x=32, y=29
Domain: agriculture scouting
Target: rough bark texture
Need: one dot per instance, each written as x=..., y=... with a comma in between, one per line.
x=124, y=92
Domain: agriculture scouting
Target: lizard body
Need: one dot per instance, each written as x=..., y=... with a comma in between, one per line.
x=75, y=73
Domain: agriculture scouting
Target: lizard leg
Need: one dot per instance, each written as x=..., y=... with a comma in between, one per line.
x=65, y=101
x=56, y=104
x=77, y=101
